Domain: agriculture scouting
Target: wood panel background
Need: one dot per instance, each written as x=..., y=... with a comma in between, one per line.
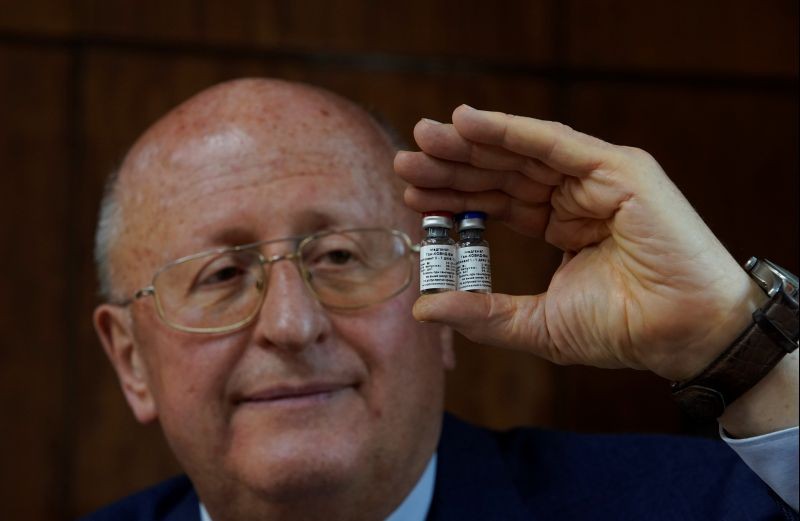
x=708, y=87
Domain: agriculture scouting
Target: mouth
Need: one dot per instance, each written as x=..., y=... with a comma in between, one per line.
x=295, y=395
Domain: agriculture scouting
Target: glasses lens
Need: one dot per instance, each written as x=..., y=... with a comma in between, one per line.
x=221, y=291
x=356, y=268
x=217, y=290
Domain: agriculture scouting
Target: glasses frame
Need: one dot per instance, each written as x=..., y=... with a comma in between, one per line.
x=294, y=256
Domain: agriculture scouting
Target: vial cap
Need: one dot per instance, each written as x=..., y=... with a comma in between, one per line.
x=437, y=219
x=471, y=221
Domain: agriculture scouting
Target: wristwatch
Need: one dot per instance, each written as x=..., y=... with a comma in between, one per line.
x=772, y=335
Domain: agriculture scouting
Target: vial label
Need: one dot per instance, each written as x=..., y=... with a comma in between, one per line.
x=474, y=270
x=437, y=267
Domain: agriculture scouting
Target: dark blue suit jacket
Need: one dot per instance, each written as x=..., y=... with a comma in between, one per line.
x=530, y=474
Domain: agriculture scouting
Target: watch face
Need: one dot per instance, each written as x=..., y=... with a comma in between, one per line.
x=789, y=281
x=772, y=278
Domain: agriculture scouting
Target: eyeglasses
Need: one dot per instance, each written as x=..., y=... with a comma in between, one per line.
x=222, y=290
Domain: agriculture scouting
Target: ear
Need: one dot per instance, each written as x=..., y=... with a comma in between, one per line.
x=115, y=329
x=448, y=354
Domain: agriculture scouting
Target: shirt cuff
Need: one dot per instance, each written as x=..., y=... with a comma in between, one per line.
x=774, y=459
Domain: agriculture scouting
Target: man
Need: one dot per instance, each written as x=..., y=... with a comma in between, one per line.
x=254, y=251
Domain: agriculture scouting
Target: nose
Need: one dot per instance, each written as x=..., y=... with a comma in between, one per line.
x=290, y=317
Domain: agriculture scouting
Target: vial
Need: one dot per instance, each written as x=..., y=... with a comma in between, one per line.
x=474, y=270
x=437, y=255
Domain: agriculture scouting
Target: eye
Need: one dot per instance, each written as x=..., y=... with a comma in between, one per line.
x=221, y=275
x=338, y=257
x=334, y=254
x=221, y=271
x=334, y=260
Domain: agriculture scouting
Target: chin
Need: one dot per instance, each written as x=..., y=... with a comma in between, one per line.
x=300, y=466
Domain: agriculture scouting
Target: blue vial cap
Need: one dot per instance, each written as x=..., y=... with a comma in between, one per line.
x=471, y=215
x=471, y=221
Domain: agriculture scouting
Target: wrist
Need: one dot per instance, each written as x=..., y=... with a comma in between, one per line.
x=771, y=405
x=737, y=320
x=744, y=297
x=750, y=359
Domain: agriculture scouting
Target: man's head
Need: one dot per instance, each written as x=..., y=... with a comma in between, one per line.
x=305, y=405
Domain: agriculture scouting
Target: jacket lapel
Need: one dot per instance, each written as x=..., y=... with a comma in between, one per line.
x=472, y=480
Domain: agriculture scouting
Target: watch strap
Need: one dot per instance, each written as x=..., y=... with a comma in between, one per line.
x=744, y=363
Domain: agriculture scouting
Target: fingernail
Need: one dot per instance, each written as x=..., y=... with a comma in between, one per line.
x=431, y=121
x=468, y=106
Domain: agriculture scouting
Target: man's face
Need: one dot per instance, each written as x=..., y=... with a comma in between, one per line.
x=304, y=399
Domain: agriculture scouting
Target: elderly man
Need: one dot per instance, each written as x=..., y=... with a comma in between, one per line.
x=260, y=274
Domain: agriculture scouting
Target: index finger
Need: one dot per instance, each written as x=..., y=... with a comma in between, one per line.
x=555, y=144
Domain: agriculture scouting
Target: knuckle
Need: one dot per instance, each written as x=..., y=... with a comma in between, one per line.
x=559, y=127
x=638, y=155
x=563, y=127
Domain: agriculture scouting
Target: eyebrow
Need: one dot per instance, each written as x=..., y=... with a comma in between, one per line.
x=309, y=221
x=231, y=236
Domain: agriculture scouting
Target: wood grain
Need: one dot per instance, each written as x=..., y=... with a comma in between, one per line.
x=36, y=347
x=750, y=37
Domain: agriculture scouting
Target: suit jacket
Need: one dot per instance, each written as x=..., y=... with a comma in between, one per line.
x=532, y=474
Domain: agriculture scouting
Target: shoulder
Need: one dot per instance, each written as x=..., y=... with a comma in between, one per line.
x=645, y=455
x=568, y=475
x=171, y=500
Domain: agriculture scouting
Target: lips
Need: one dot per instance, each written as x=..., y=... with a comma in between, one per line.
x=293, y=392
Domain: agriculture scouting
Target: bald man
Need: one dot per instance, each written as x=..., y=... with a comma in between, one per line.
x=259, y=269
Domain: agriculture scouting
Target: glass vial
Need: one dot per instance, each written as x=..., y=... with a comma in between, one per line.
x=474, y=269
x=437, y=255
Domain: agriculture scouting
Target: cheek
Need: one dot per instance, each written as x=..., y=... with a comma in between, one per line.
x=186, y=373
x=397, y=350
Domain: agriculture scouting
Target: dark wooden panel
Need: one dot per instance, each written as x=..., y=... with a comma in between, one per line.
x=35, y=160
x=42, y=17
x=622, y=400
x=734, y=155
x=520, y=31
x=741, y=36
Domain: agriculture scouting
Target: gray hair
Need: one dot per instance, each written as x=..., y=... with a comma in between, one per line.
x=109, y=223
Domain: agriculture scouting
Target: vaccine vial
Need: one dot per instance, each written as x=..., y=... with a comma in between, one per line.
x=474, y=270
x=437, y=255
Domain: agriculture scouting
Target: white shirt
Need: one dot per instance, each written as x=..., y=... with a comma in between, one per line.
x=774, y=459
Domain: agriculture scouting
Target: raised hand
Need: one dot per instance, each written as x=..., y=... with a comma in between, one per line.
x=643, y=284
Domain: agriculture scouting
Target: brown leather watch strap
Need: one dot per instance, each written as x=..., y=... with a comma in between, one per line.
x=743, y=364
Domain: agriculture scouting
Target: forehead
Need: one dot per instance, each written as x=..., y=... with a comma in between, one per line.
x=262, y=176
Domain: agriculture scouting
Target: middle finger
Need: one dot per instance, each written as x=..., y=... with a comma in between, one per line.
x=424, y=171
x=444, y=142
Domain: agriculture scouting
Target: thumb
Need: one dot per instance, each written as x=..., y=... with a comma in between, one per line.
x=496, y=319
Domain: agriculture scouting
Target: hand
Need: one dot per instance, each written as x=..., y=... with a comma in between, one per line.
x=643, y=283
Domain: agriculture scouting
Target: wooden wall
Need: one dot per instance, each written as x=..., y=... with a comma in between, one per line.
x=708, y=87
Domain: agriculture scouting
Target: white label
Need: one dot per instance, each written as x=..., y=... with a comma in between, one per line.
x=474, y=270
x=437, y=267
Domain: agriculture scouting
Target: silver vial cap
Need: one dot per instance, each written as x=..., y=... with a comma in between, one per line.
x=437, y=221
x=471, y=223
